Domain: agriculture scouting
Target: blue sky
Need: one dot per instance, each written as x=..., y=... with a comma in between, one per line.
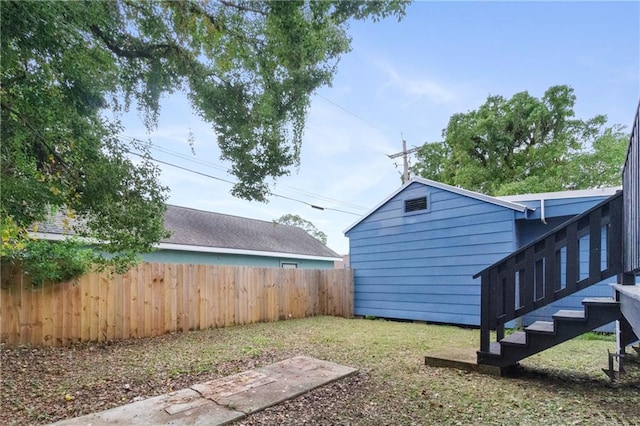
x=407, y=79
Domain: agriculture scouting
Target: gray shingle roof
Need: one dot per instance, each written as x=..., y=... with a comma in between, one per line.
x=208, y=229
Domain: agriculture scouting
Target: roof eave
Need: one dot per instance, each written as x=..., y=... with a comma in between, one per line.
x=580, y=193
x=428, y=182
x=201, y=249
x=226, y=250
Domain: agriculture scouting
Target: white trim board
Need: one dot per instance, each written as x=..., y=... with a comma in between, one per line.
x=580, y=193
x=223, y=250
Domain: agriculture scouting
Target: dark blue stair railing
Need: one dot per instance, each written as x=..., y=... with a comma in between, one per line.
x=533, y=276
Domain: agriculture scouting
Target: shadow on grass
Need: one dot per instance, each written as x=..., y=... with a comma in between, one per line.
x=545, y=376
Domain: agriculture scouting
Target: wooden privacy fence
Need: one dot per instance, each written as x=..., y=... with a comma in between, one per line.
x=156, y=298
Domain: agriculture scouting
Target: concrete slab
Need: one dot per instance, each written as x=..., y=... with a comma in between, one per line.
x=291, y=378
x=183, y=407
x=222, y=401
x=462, y=359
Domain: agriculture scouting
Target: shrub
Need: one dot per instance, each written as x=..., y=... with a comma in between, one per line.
x=53, y=261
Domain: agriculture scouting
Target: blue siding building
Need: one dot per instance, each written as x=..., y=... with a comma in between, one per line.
x=415, y=254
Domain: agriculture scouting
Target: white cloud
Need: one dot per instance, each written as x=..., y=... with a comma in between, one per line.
x=417, y=87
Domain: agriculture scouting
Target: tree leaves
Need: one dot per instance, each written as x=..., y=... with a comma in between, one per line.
x=525, y=145
x=295, y=220
x=248, y=68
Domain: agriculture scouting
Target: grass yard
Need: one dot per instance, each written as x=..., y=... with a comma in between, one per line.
x=564, y=385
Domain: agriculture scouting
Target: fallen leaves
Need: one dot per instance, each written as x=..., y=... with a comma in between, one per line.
x=43, y=385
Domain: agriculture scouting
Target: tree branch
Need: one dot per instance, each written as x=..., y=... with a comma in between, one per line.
x=144, y=51
x=219, y=26
x=243, y=7
x=38, y=135
x=196, y=9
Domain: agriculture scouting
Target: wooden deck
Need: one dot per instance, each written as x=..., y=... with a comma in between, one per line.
x=630, y=304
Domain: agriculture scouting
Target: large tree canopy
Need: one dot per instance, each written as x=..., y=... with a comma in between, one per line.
x=248, y=68
x=525, y=145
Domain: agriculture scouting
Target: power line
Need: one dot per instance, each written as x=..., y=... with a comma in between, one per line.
x=322, y=197
x=216, y=166
x=148, y=157
x=188, y=158
x=196, y=160
x=233, y=183
x=192, y=158
x=313, y=206
x=354, y=114
x=405, y=159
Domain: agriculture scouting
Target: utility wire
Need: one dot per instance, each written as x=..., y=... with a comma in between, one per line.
x=148, y=157
x=301, y=191
x=188, y=158
x=313, y=206
x=219, y=167
x=167, y=151
x=322, y=197
x=354, y=114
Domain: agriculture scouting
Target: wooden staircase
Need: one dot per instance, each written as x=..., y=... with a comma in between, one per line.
x=542, y=335
x=544, y=271
x=550, y=268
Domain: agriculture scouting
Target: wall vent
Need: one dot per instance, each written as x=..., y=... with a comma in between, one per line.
x=415, y=204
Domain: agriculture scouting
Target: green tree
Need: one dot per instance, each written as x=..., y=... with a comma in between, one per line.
x=248, y=68
x=602, y=164
x=433, y=161
x=295, y=220
x=525, y=144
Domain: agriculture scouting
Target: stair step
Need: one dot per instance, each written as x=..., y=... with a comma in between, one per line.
x=541, y=327
x=603, y=301
x=568, y=315
x=516, y=339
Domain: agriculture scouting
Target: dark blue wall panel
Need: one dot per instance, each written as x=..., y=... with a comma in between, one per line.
x=528, y=231
x=560, y=207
